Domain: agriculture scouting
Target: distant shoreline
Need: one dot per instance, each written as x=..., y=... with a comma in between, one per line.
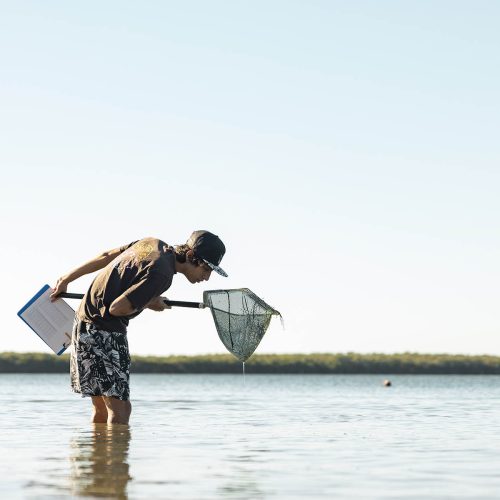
x=320, y=363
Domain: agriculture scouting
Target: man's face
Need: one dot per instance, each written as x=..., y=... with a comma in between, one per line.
x=197, y=273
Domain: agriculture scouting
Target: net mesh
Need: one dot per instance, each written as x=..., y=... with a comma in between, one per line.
x=241, y=319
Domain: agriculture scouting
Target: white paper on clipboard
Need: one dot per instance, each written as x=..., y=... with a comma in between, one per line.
x=51, y=321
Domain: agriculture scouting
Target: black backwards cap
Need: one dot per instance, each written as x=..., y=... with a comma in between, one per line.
x=209, y=248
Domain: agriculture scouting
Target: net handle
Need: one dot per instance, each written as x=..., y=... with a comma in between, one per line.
x=173, y=303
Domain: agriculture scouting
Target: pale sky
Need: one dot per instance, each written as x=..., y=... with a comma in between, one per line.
x=347, y=153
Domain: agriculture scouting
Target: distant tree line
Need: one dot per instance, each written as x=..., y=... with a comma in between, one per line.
x=320, y=363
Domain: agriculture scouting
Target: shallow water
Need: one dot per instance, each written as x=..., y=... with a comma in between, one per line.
x=283, y=436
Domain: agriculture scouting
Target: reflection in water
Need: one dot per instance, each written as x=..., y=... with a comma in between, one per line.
x=99, y=461
x=242, y=479
x=243, y=483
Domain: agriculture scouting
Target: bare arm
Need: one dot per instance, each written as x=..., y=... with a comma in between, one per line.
x=91, y=266
x=123, y=307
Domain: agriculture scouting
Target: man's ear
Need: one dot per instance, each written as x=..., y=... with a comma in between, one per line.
x=189, y=255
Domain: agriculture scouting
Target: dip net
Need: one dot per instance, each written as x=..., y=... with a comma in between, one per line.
x=241, y=319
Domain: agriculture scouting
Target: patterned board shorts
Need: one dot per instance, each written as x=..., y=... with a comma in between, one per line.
x=100, y=362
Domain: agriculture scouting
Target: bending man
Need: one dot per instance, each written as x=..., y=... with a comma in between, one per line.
x=132, y=279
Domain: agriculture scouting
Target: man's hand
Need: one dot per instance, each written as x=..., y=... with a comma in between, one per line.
x=158, y=304
x=61, y=286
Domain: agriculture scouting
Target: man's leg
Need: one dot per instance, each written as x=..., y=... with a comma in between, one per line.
x=118, y=410
x=100, y=413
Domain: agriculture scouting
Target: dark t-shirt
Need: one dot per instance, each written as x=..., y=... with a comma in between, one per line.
x=143, y=270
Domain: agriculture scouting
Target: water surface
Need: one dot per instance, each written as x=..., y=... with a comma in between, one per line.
x=281, y=436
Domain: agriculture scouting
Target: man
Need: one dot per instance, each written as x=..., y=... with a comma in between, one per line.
x=132, y=278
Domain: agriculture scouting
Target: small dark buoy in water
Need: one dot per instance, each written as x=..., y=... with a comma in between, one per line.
x=387, y=383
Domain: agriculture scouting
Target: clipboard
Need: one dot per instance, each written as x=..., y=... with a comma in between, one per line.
x=51, y=321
